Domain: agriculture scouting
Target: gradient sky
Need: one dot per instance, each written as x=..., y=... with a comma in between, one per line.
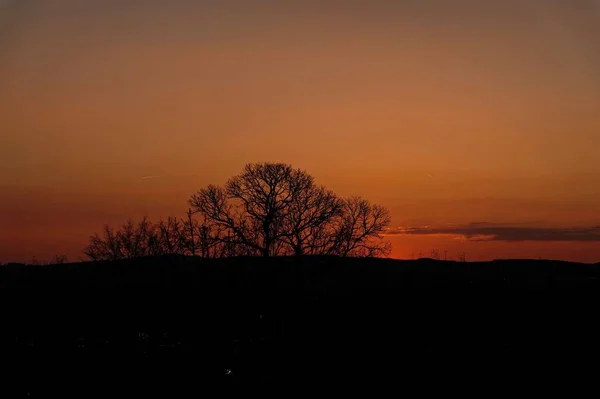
x=453, y=114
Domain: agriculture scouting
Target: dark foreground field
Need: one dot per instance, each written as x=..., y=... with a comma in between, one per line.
x=180, y=327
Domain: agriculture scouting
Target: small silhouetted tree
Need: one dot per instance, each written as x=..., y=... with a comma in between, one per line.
x=359, y=230
x=190, y=233
x=205, y=239
x=144, y=238
x=104, y=247
x=59, y=259
x=131, y=240
x=134, y=238
x=171, y=237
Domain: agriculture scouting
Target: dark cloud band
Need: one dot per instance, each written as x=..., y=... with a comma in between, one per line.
x=481, y=231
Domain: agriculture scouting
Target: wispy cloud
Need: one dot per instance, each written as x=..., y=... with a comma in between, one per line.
x=485, y=231
x=152, y=177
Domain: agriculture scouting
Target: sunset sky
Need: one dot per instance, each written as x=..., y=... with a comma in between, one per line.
x=477, y=123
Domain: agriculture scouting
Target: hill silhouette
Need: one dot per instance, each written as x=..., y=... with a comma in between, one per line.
x=185, y=324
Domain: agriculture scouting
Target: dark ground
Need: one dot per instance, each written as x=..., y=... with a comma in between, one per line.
x=178, y=327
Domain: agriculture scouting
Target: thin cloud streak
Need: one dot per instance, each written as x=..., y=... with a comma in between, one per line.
x=152, y=177
x=483, y=231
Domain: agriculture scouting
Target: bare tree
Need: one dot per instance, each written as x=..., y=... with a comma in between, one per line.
x=359, y=231
x=107, y=247
x=171, y=237
x=59, y=259
x=308, y=224
x=269, y=209
x=134, y=238
x=130, y=241
x=204, y=239
x=273, y=209
x=144, y=238
x=213, y=203
x=254, y=205
x=190, y=233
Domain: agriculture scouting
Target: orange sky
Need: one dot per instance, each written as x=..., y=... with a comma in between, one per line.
x=446, y=112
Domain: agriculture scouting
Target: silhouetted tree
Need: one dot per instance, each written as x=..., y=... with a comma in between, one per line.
x=105, y=247
x=205, y=239
x=134, y=238
x=190, y=233
x=309, y=223
x=171, y=237
x=268, y=209
x=59, y=259
x=253, y=206
x=359, y=230
x=274, y=209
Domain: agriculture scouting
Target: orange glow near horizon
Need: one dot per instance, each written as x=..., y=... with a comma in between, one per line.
x=445, y=112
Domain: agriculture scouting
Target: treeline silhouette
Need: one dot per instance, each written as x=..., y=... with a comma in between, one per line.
x=269, y=209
